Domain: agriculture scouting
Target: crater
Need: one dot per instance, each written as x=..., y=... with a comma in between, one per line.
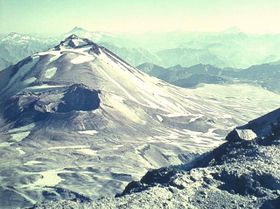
x=29, y=106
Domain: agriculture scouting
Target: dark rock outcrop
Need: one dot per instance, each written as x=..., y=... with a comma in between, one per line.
x=28, y=106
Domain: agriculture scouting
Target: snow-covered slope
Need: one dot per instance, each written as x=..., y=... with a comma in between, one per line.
x=79, y=122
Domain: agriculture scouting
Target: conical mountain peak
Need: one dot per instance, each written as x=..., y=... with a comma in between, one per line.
x=77, y=28
x=74, y=41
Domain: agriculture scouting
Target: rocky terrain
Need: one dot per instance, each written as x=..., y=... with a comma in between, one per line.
x=241, y=173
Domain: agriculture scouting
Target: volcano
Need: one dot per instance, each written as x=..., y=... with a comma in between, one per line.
x=77, y=121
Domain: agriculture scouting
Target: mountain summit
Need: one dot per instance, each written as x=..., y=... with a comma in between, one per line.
x=75, y=42
x=77, y=29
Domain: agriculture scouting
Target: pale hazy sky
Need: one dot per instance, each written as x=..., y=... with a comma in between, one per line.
x=59, y=16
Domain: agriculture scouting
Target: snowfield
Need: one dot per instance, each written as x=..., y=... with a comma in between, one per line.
x=50, y=72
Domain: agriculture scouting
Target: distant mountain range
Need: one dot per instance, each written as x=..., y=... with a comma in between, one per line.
x=15, y=46
x=230, y=48
x=265, y=75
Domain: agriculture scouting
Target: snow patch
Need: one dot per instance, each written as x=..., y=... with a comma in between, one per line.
x=69, y=147
x=82, y=59
x=160, y=119
x=21, y=152
x=50, y=72
x=44, y=86
x=88, y=132
x=78, y=42
x=29, y=80
x=32, y=162
x=88, y=151
x=23, y=128
x=49, y=178
x=5, y=144
x=17, y=137
x=51, y=52
x=54, y=58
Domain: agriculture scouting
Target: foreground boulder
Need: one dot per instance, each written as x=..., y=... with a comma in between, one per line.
x=241, y=134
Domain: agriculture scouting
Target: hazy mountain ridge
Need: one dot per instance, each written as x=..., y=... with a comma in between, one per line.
x=15, y=46
x=265, y=75
x=225, y=49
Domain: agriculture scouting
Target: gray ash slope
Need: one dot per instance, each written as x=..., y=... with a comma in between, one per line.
x=241, y=173
x=77, y=122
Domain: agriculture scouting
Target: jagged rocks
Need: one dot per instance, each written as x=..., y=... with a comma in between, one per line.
x=153, y=177
x=79, y=97
x=253, y=183
x=27, y=107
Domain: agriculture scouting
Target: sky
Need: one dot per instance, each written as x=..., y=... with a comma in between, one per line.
x=139, y=16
